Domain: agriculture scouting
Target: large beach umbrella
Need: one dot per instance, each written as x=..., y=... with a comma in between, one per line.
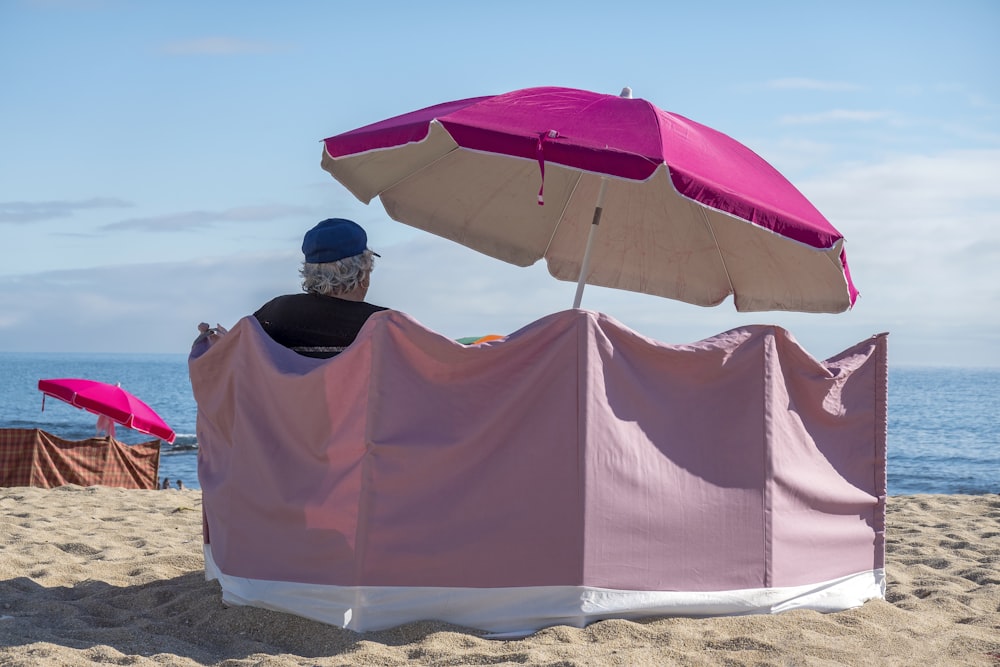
x=610, y=190
x=109, y=401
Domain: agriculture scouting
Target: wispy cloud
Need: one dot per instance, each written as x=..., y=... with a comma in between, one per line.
x=219, y=46
x=154, y=307
x=836, y=116
x=794, y=83
x=913, y=252
x=972, y=132
x=13, y=212
x=922, y=236
x=186, y=220
x=912, y=188
x=980, y=101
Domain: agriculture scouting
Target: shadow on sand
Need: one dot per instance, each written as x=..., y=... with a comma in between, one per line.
x=183, y=616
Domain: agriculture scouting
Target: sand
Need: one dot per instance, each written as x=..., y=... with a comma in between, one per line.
x=98, y=575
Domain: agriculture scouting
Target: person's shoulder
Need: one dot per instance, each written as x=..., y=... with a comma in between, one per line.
x=277, y=302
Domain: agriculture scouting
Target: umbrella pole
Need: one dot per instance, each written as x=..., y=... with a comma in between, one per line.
x=585, y=266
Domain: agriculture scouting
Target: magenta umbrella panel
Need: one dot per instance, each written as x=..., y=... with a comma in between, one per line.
x=110, y=401
x=609, y=190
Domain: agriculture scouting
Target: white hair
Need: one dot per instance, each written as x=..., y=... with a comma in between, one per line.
x=339, y=277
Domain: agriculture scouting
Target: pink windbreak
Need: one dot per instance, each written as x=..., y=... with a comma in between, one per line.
x=574, y=452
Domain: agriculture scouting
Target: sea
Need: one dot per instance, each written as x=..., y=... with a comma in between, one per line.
x=943, y=432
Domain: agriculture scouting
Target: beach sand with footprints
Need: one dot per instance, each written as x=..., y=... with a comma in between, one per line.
x=111, y=576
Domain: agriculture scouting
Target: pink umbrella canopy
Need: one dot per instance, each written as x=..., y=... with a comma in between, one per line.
x=109, y=401
x=685, y=211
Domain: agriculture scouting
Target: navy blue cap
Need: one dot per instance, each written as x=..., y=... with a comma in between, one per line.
x=333, y=239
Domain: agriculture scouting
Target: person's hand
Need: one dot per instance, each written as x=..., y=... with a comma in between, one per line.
x=209, y=335
x=215, y=334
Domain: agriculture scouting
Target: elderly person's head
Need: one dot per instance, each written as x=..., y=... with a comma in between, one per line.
x=337, y=259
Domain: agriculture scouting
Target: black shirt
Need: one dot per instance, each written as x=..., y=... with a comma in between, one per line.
x=312, y=324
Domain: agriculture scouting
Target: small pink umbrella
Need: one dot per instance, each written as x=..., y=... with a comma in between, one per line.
x=107, y=401
x=685, y=211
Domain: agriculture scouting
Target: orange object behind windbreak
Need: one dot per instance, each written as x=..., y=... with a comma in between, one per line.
x=476, y=340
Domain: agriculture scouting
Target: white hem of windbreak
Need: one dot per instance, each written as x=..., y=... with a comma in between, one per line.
x=520, y=611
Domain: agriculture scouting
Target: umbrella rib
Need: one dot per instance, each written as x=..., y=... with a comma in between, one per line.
x=722, y=260
x=407, y=176
x=562, y=214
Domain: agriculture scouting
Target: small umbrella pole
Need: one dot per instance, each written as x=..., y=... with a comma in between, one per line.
x=585, y=266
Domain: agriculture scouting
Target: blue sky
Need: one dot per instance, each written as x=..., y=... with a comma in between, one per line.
x=160, y=160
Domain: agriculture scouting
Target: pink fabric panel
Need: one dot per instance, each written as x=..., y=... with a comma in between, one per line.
x=282, y=440
x=472, y=474
x=675, y=463
x=827, y=452
x=392, y=132
x=599, y=133
x=714, y=169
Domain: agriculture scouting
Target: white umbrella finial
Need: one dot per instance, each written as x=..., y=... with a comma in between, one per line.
x=626, y=93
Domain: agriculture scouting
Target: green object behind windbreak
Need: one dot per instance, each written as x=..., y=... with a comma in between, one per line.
x=476, y=340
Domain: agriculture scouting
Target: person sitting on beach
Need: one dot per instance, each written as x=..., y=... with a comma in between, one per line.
x=336, y=273
x=166, y=483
